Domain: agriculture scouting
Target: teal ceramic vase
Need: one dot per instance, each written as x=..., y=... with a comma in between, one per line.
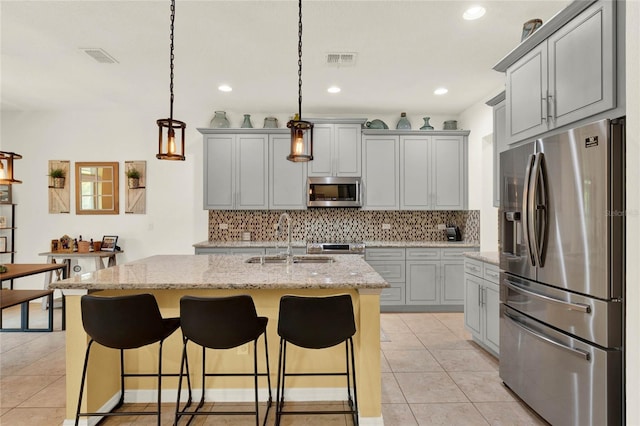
x=426, y=126
x=219, y=120
x=403, y=123
x=246, y=124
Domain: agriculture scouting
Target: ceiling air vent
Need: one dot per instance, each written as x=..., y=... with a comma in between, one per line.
x=99, y=55
x=341, y=59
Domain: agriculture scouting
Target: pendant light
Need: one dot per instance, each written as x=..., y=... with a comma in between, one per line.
x=171, y=149
x=6, y=167
x=301, y=131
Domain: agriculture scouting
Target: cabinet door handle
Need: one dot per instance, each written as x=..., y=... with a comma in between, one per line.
x=551, y=107
x=545, y=109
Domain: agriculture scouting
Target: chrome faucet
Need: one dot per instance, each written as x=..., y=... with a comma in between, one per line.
x=286, y=216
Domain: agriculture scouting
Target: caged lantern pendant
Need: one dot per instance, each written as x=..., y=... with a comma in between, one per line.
x=171, y=149
x=6, y=167
x=301, y=131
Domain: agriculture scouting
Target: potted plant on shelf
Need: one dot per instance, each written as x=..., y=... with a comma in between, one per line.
x=58, y=176
x=133, y=178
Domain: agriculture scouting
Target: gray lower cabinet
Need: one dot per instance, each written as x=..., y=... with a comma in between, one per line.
x=482, y=303
x=256, y=251
x=390, y=264
x=421, y=279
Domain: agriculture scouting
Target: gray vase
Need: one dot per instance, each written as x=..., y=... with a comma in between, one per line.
x=270, y=123
x=403, y=123
x=246, y=124
x=219, y=120
x=426, y=126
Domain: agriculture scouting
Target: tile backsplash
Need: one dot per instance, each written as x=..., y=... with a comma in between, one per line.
x=344, y=225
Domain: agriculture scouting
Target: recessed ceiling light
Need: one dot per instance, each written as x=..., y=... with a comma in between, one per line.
x=225, y=88
x=334, y=89
x=440, y=91
x=474, y=12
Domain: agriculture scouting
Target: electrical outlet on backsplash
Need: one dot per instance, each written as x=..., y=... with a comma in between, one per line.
x=345, y=225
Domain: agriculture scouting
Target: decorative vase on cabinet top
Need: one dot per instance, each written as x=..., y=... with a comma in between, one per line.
x=426, y=126
x=219, y=120
x=376, y=124
x=450, y=125
x=403, y=123
x=246, y=124
x=270, y=123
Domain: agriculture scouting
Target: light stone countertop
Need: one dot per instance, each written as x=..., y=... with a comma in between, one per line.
x=492, y=257
x=227, y=272
x=398, y=244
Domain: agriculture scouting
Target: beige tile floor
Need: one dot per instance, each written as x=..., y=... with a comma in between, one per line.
x=432, y=374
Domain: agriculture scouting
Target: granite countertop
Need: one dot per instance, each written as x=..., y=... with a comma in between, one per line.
x=492, y=257
x=249, y=244
x=227, y=272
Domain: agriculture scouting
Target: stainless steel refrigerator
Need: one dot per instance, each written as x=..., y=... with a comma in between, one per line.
x=562, y=285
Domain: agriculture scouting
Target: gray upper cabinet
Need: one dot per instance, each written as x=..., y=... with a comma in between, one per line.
x=566, y=77
x=433, y=172
x=337, y=148
x=380, y=177
x=235, y=171
x=287, y=179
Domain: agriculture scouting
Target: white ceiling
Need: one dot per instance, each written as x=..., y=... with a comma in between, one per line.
x=405, y=49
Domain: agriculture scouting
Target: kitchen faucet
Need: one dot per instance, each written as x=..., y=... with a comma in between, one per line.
x=286, y=216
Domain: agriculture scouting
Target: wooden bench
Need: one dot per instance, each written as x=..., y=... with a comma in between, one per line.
x=10, y=298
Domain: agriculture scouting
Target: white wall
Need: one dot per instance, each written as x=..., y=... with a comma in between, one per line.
x=479, y=118
x=175, y=218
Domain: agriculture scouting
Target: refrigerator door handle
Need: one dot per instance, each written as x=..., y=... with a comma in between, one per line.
x=538, y=208
x=526, y=217
x=577, y=352
x=580, y=307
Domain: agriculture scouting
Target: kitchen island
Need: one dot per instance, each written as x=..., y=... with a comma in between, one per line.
x=170, y=277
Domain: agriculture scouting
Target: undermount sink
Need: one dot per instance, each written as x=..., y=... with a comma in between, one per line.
x=296, y=259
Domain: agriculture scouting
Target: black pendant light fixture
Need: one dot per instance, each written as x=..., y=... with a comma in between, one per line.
x=171, y=149
x=301, y=131
x=6, y=167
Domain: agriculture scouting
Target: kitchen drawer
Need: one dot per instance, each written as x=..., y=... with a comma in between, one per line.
x=455, y=252
x=473, y=267
x=392, y=295
x=384, y=254
x=423, y=254
x=392, y=271
x=491, y=273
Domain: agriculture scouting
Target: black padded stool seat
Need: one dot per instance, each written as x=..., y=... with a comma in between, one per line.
x=317, y=323
x=125, y=322
x=223, y=323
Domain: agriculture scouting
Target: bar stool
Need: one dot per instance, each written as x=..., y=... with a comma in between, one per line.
x=223, y=323
x=125, y=322
x=317, y=323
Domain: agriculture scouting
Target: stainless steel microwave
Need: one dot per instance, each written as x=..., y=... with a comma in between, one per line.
x=334, y=192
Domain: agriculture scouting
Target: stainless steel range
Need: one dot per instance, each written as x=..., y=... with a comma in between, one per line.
x=336, y=248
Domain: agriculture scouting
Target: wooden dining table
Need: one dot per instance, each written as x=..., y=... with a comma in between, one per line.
x=11, y=297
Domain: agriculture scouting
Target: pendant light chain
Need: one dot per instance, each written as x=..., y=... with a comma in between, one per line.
x=171, y=56
x=171, y=148
x=299, y=59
